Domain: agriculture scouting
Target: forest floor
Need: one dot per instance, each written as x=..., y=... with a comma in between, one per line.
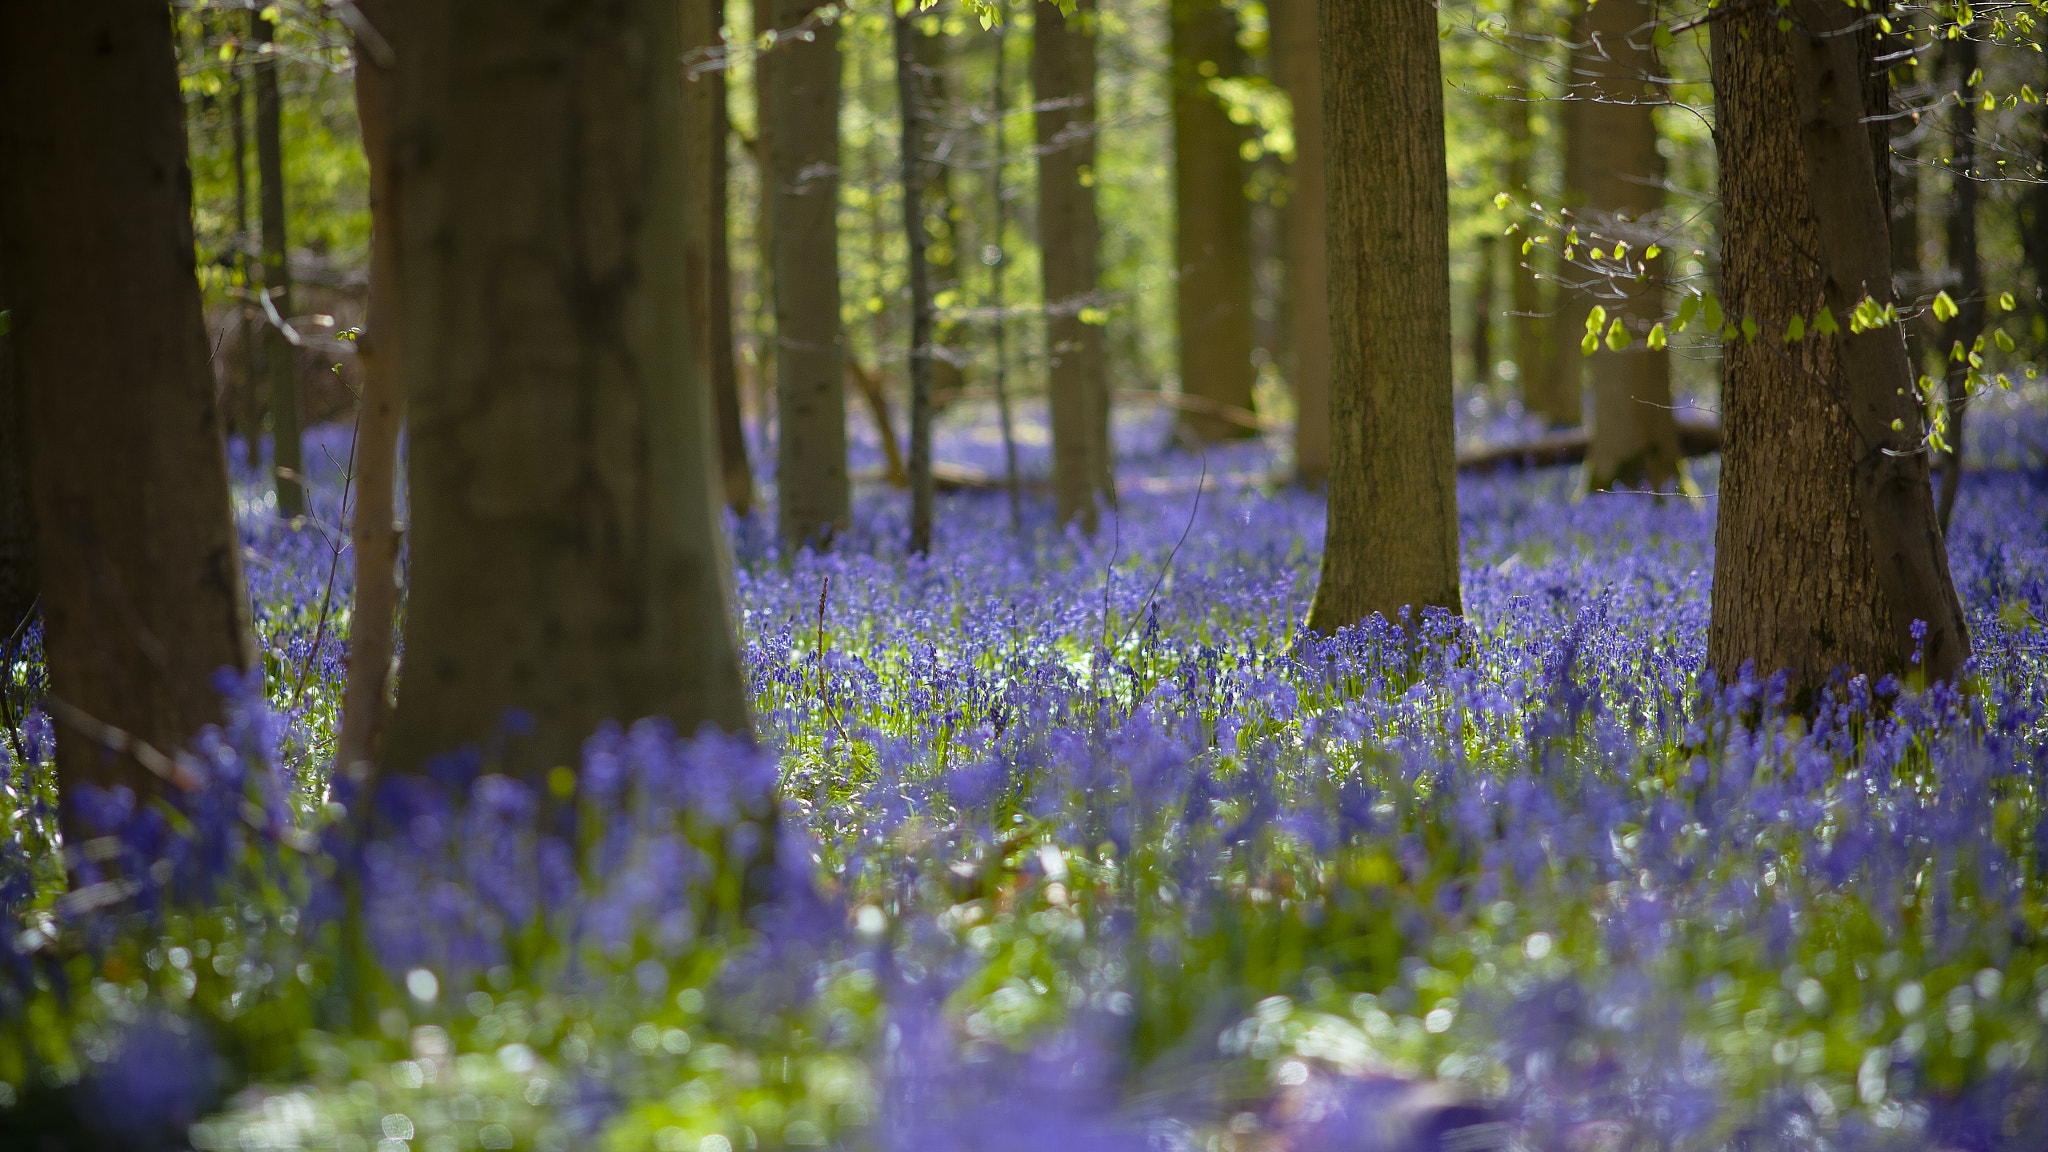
x=1085, y=843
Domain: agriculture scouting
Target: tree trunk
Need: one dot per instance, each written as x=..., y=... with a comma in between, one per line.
x=1069, y=234
x=764, y=211
x=245, y=415
x=374, y=530
x=1485, y=258
x=280, y=359
x=942, y=251
x=1308, y=257
x=810, y=354
x=567, y=563
x=1968, y=266
x=910, y=102
x=710, y=257
x=1213, y=239
x=137, y=557
x=1536, y=373
x=1393, y=517
x=1634, y=434
x=1827, y=550
x=17, y=528
x=1564, y=379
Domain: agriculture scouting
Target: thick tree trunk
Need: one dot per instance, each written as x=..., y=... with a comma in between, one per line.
x=1827, y=549
x=280, y=358
x=1634, y=434
x=567, y=563
x=374, y=530
x=810, y=351
x=1534, y=362
x=137, y=557
x=1393, y=518
x=949, y=358
x=710, y=256
x=910, y=103
x=1308, y=255
x=1213, y=237
x=1968, y=267
x=1077, y=352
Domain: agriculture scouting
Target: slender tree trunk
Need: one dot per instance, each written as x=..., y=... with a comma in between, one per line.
x=374, y=530
x=764, y=210
x=1393, y=518
x=137, y=556
x=710, y=256
x=803, y=136
x=1968, y=265
x=246, y=413
x=1534, y=366
x=1827, y=549
x=999, y=268
x=567, y=561
x=1485, y=258
x=1564, y=381
x=17, y=527
x=1634, y=435
x=1308, y=256
x=1213, y=237
x=280, y=359
x=1069, y=234
x=910, y=97
x=949, y=356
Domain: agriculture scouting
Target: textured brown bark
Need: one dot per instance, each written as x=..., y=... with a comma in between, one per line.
x=374, y=530
x=1213, y=236
x=1968, y=266
x=1308, y=255
x=566, y=555
x=1485, y=258
x=1534, y=366
x=138, y=560
x=280, y=359
x=710, y=256
x=1634, y=434
x=814, y=498
x=764, y=210
x=1827, y=549
x=246, y=416
x=1393, y=517
x=1069, y=233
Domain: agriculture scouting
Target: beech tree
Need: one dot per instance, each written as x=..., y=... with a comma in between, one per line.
x=566, y=556
x=1634, y=435
x=1393, y=512
x=280, y=358
x=1213, y=233
x=801, y=125
x=710, y=247
x=1077, y=351
x=1296, y=60
x=1827, y=555
x=1536, y=373
x=17, y=540
x=137, y=558
x=373, y=529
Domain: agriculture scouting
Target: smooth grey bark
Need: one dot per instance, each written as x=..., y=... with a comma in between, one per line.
x=1827, y=549
x=374, y=529
x=1393, y=512
x=1213, y=229
x=910, y=100
x=566, y=556
x=138, y=561
x=710, y=246
x=1485, y=259
x=1535, y=364
x=802, y=127
x=280, y=358
x=1069, y=235
x=1296, y=59
x=1634, y=433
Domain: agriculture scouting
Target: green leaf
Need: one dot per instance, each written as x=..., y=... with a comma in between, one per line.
x=1590, y=344
x=2006, y=301
x=1687, y=309
x=2004, y=342
x=1713, y=312
x=1596, y=320
x=1749, y=329
x=1795, y=331
x=1824, y=322
x=1617, y=336
x=1656, y=338
x=1944, y=308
